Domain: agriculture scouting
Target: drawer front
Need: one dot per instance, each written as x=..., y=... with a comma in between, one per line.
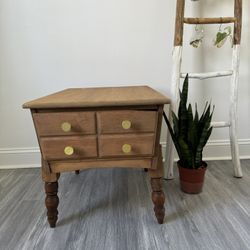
x=126, y=145
x=65, y=123
x=126, y=121
x=70, y=147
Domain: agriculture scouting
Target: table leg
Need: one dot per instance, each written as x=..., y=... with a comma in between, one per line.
x=158, y=199
x=51, y=202
x=158, y=196
x=51, y=188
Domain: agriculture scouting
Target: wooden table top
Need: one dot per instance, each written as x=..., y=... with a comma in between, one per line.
x=98, y=97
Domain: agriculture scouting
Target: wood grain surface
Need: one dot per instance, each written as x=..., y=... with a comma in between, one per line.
x=51, y=123
x=141, y=121
x=179, y=16
x=111, y=145
x=66, y=166
x=209, y=20
x=238, y=23
x=180, y=20
x=100, y=97
x=108, y=209
x=83, y=146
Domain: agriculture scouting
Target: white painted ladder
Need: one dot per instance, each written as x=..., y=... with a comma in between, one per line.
x=234, y=73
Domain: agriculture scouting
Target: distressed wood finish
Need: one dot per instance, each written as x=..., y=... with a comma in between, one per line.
x=158, y=199
x=141, y=144
x=48, y=124
x=141, y=121
x=209, y=20
x=83, y=147
x=98, y=128
x=234, y=73
x=51, y=202
x=157, y=148
x=220, y=124
x=233, y=129
x=60, y=166
x=238, y=22
x=158, y=196
x=99, y=97
x=47, y=174
x=178, y=36
x=174, y=94
x=207, y=75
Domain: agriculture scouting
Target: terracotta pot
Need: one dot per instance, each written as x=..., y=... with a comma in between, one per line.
x=191, y=180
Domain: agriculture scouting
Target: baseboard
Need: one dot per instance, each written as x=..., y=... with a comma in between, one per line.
x=20, y=166
x=29, y=157
x=217, y=150
x=25, y=157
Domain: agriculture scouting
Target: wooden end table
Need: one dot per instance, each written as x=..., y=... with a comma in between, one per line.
x=99, y=128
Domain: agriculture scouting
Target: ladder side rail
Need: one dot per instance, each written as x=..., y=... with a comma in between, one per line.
x=179, y=22
x=233, y=114
x=238, y=22
x=175, y=84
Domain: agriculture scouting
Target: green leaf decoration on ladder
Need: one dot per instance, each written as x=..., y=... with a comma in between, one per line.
x=221, y=37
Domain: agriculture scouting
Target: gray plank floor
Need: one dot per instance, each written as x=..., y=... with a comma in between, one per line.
x=111, y=209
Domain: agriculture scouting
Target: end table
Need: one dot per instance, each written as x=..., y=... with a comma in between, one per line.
x=83, y=128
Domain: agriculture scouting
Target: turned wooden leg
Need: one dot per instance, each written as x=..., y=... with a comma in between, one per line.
x=158, y=199
x=77, y=172
x=51, y=202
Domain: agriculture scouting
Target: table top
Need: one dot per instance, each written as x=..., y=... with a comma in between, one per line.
x=99, y=97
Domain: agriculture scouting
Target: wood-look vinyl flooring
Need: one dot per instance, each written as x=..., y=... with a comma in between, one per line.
x=111, y=209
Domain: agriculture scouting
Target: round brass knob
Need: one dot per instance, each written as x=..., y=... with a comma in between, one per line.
x=69, y=150
x=126, y=148
x=126, y=124
x=66, y=126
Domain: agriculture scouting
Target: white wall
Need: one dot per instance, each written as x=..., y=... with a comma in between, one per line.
x=50, y=45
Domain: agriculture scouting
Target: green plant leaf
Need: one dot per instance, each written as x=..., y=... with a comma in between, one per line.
x=182, y=111
x=174, y=137
x=186, y=153
x=190, y=132
x=203, y=141
x=175, y=124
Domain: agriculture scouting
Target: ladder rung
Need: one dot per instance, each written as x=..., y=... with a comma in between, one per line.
x=207, y=75
x=220, y=124
x=209, y=20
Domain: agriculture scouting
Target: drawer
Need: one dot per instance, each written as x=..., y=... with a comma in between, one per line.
x=70, y=147
x=126, y=145
x=126, y=121
x=65, y=123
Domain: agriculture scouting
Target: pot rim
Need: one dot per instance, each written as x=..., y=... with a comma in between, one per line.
x=203, y=166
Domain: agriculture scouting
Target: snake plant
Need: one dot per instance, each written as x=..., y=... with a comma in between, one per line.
x=190, y=132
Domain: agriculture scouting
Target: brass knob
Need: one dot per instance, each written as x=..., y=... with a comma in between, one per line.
x=66, y=126
x=69, y=150
x=126, y=148
x=126, y=124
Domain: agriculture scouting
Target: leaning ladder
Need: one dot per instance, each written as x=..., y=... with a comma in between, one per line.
x=234, y=73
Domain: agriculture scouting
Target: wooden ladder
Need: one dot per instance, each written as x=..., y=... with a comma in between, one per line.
x=234, y=73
